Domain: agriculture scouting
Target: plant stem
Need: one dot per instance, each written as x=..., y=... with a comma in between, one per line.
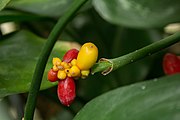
x=107, y=65
x=37, y=77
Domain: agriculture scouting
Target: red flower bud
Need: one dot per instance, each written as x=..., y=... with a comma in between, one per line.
x=52, y=75
x=66, y=91
x=70, y=55
x=171, y=64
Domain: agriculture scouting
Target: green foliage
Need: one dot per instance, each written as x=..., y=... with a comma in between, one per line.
x=139, y=13
x=3, y=3
x=19, y=54
x=51, y=8
x=152, y=100
x=16, y=16
x=117, y=27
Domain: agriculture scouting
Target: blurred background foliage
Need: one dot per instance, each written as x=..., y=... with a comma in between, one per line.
x=117, y=27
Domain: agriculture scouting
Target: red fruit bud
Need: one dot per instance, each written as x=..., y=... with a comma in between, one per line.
x=52, y=75
x=66, y=91
x=70, y=55
x=171, y=64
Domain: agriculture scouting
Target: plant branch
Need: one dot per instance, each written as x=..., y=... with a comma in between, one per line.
x=37, y=77
x=107, y=65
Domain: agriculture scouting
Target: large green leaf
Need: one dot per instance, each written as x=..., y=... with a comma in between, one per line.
x=9, y=15
x=53, y=8
x=139, y=13
x=42, y=7
x=158, y=99
x=19, y=53
x=3, y=3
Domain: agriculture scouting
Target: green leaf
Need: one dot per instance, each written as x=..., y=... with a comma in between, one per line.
x=3, y=3
x=19, y=53
x=157, y=99
x=9, y=15
x=52, y=8
x=139, y=13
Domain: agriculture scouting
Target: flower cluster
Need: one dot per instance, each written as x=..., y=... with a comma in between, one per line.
x=74, y=65
x=71, y=69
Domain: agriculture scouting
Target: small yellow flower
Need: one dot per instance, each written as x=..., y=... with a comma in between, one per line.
x=61, y=74
x=74, y=62
x=67, y=70
x=55, y=68
x=74, y=71
x=56, y=61
x=62, y=63
x=69, y=75
x=66, y=65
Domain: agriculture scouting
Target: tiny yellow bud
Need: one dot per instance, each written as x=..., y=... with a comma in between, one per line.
x=67, y=70
x=55, y=68
x=61, y=75
x=69, y=75
x=70, y=65
x=74, y=71
x=62, y=63
x=66, y=65
x=87, y=56
x=56, y=61
x=74, y=62
x=85, y=72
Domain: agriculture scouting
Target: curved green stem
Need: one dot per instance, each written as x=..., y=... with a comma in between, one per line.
x=37, y=77
x=107, y=65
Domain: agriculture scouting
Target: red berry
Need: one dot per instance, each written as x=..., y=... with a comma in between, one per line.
x=171, y=64
x=178, y=57
x=66, y=91
x=70, y=55
x=52, y=75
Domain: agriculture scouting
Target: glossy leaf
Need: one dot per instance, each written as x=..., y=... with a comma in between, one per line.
x=3, y=3
x=139, y=13
x=52, y=8
x=42, y=7
x=151, y=100
x=9, y=15
x=19, y=53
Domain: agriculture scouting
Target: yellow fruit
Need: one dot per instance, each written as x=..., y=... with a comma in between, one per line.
x=56, y=61
x=87, y=56
x=61, y=75
x=74, y=71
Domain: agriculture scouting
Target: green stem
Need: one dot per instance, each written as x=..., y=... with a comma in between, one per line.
x=107, y=65
x=37, y=77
